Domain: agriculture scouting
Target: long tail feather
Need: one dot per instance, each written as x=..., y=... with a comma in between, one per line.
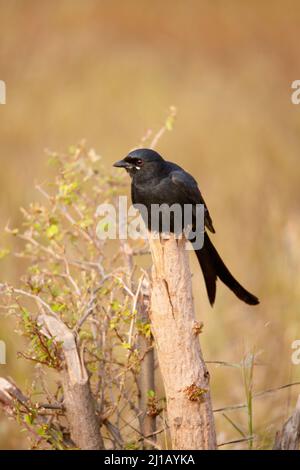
x=212, y=267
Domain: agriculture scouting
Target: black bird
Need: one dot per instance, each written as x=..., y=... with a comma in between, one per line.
x=156, y=181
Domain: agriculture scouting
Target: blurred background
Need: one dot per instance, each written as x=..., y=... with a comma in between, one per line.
x=108, y=71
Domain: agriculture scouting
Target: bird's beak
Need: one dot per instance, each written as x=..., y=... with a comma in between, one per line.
x=122, y=164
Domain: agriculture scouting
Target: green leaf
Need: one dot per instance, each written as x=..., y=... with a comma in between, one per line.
x=58, y=307
x=66, y=189
x=132, y=445
x=4, y=252
x=53, y=160
x=113, y=323
x=52, y=231
x=115, y=305
x=72, y=149
x=85, y=223
x=170, y=123
x=29, y=419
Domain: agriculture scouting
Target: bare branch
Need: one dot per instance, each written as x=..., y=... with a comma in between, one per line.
x=289, y=437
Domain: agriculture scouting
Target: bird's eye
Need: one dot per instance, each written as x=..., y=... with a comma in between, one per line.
x=139, y=162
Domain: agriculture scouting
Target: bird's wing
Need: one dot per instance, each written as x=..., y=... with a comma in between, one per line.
x=188, y=185
x=132, y=193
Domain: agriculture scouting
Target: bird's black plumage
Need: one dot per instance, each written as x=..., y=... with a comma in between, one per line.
x=156, y=181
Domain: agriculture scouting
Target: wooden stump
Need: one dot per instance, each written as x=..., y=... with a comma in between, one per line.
x=185, y=376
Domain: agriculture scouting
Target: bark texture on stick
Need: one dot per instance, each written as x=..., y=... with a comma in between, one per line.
x=185, y=376
x=289, y=437
x=146, y=379
x=9, y=394
x=78, y=398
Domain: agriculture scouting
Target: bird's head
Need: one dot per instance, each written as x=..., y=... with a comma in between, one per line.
x=140, y=160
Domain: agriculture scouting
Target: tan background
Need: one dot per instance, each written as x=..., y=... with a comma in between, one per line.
x=109, y=70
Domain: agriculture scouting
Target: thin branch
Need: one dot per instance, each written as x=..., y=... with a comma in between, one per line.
x=255, y=395
x=237, y=441
x=11, y=290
